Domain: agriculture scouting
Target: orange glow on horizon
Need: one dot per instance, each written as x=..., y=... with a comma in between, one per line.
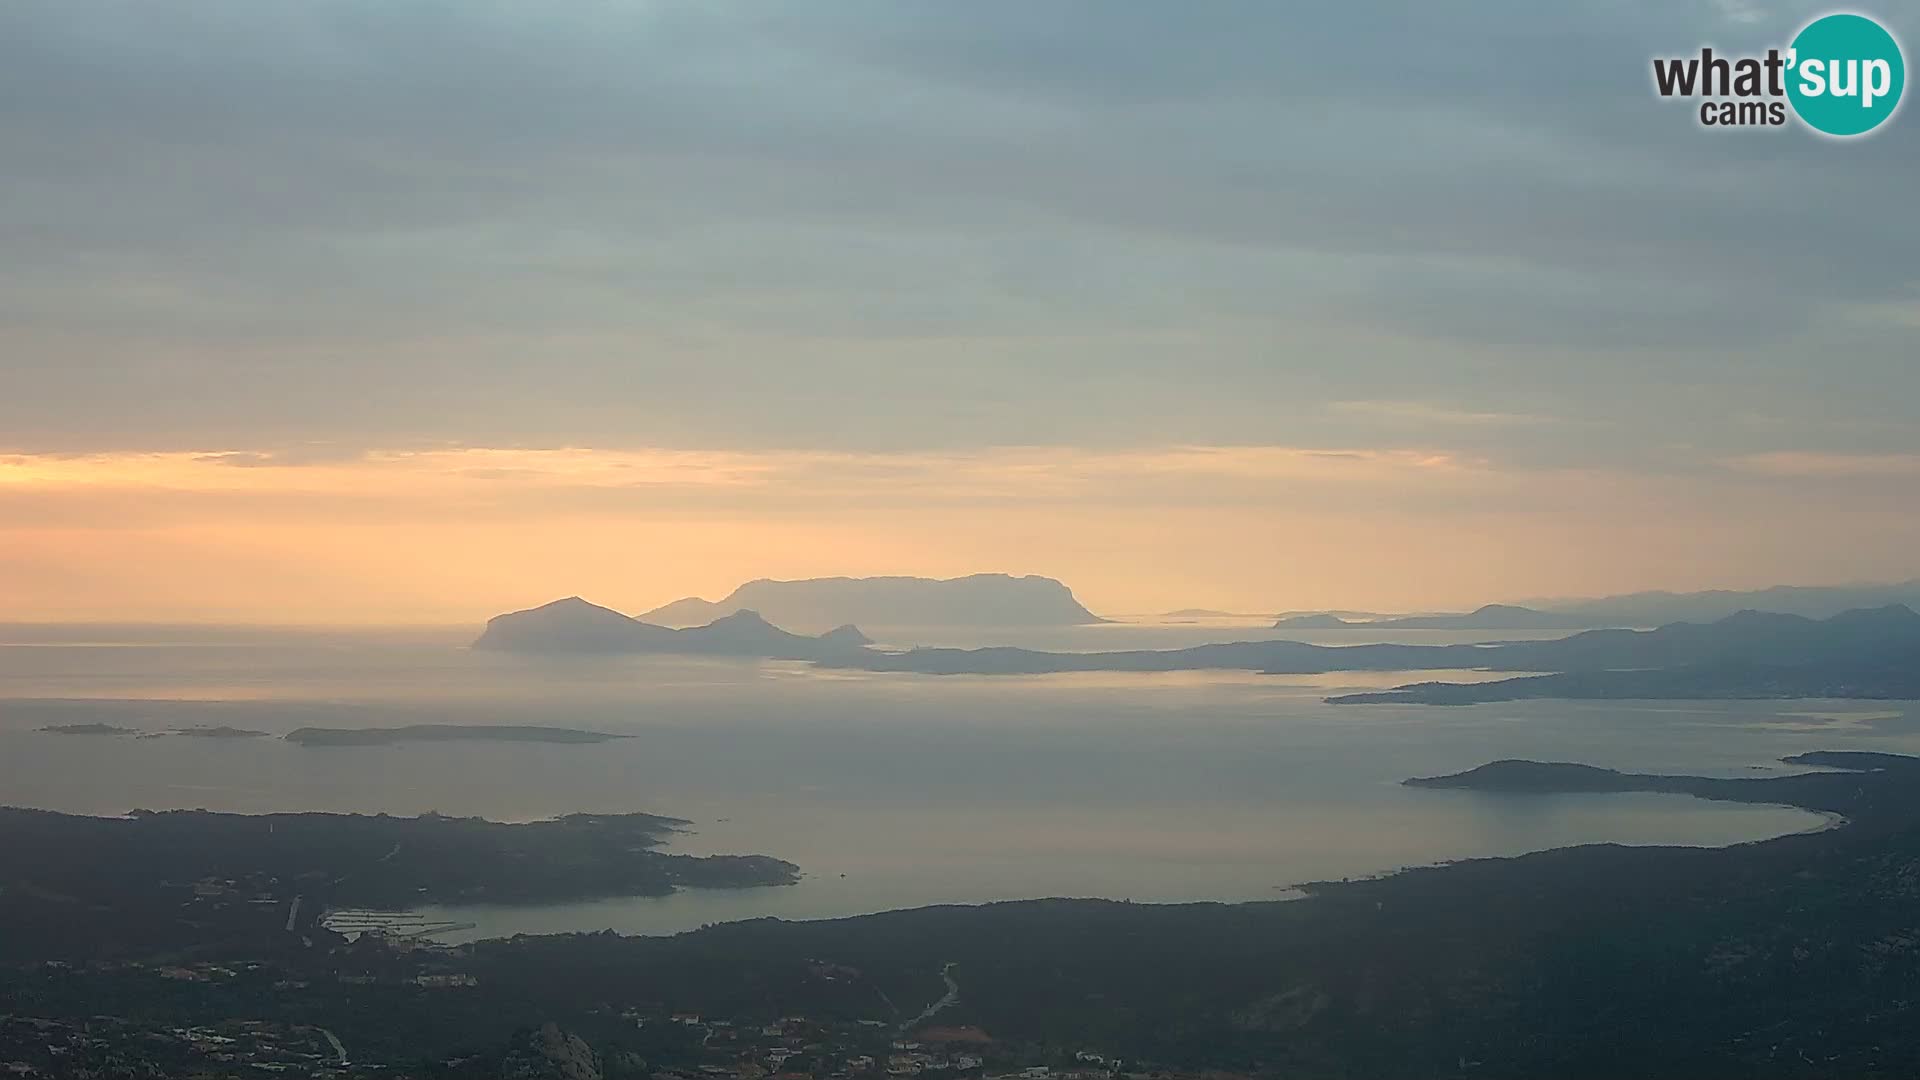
x=454, y=534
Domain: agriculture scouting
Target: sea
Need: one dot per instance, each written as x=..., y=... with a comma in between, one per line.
x=888, y=790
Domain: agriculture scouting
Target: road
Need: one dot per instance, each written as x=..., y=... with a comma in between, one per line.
x=950, y=997
x=339, y=1048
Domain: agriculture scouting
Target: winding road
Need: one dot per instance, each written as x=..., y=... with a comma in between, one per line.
x=950, y=997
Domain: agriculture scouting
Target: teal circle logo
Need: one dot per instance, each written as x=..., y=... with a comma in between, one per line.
x=1845, y=74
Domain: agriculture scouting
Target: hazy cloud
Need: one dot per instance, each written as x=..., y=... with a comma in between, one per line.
x=1814, y=464
x=899, y=223
x=1145, y=272
x=1430, y=413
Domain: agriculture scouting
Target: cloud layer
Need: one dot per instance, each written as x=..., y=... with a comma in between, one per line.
x=858, y=238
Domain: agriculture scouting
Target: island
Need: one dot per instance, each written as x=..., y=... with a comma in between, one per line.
x=977, y=600
x=573, y=626
x=1550, y=777
x=1487, y=617
x=1836, y=790
x=1813, y=601
x=220, y=731
x=1318, y=621
x=386, y=736
x=88, y=729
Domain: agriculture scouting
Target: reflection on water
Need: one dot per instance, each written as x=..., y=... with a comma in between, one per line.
x=1182, y=786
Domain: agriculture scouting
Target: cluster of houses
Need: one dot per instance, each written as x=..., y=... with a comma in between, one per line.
x=113, y=1046
x=794, y=1048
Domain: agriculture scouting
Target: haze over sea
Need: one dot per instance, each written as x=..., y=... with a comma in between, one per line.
x=888, y=790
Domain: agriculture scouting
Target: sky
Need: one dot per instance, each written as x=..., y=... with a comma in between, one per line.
x=365, y=311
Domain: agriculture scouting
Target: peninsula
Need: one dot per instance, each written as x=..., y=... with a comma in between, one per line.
x=1710, y=682
x=154, y=881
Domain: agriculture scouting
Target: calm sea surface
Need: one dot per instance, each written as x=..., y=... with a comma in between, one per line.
x=888, y=790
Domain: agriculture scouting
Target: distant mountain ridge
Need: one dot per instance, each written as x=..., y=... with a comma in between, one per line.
x=975, y=600
x=1641, y=609
x=1862, y=653
x=1871, y=653
x=1862, y=638
x=575, y=626
x=1859, y=636
x=1486, y=617
x=1659, y=608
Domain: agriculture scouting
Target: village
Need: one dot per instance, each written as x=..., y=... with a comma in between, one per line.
x=636, y=1040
